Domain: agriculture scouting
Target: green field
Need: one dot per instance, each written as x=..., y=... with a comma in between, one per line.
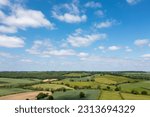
x=76, y=74
x=139, y=86
x=8, y=91
x=102, y=86
x=16, y=82
x=110, y=95
x=111, y=79
x=74, y=95
x=128, y=96
x=50, y=87
x=78, y=84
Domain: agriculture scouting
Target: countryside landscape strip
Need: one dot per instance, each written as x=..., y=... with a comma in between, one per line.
x=75, y=85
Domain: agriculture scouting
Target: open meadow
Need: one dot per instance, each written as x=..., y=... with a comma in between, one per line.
x=74, y=85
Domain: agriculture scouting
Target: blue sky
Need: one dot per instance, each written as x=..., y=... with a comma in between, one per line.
x=74, y=35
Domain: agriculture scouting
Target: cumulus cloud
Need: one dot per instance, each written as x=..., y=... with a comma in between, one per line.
x=113, y=48
x=46, y=49
x=99, y=13
x=101, y=47
x=93, y=4
x=4, y=54
x=4, y=2
x=80, y=40
x=146, y=56
x=128, y=49
x=22, y=18
x=68, y=13
x=11, y=41
x=26, y=60
x=133, y=2
x=141, y=42
x=8, y=29
x=105, y=24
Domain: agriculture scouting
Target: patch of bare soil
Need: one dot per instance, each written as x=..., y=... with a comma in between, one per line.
x=23, y=96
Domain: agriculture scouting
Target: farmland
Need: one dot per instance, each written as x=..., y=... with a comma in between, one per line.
x=76, y=85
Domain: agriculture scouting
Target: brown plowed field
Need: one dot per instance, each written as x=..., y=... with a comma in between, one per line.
x=23, y=96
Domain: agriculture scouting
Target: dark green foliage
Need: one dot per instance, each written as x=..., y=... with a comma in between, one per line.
x=82, y=94
x=41, y=96
x=134, y=92
x=50, y=97
x=117, y=89
x=144, y=93
x=108, y=87
x=37, y=75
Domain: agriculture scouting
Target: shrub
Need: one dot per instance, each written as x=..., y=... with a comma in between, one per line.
x=50, y=97
x=98, y=87
x=41, y=96
x=64, y=90
x=144, y=93
x=108, y=87
x=76, y=87
x=82, y=94
x=117, y=89
x=134, y=92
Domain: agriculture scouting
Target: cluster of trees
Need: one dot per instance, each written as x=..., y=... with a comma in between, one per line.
x=36, y=75
x=133, y=74
x=142, y=92
x=44, y=96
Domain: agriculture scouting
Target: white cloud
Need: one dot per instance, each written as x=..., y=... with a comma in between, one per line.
x=26, y=60
x=4, y=2
x=146, y=56
x=127, y=49
x=70, y=18
x=93, y=4
x=68, y=13
x=105, y=24
x=113, y=48
x=101, y=47
x=83, y=54
x=4, y=54
x=141, y=42
x=46, y=49
x=99, y=13
x=79, y=40
x=21, y=18
x=62, y=52
x=7, y=29
x=11, y=41
x=132, y=2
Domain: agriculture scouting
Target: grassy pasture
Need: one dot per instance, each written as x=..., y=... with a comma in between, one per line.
x=50, y=86
x=8, y=91
x=16, y=82
x=78, y=84
x=128, y=96
x=110, y=95
x=138, y=86
x=111, y=79
x=74, y=95
x=76, y=74
x=84, y=79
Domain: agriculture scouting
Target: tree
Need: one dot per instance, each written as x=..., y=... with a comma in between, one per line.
x=117, y=89
x=64, y=90
x=144, y=93
x=41, y=96
x=134, y=92
x=82, y=94
x=50, y=97
x=108, y=87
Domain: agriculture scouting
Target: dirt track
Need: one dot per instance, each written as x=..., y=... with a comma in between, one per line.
x=23, y=96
